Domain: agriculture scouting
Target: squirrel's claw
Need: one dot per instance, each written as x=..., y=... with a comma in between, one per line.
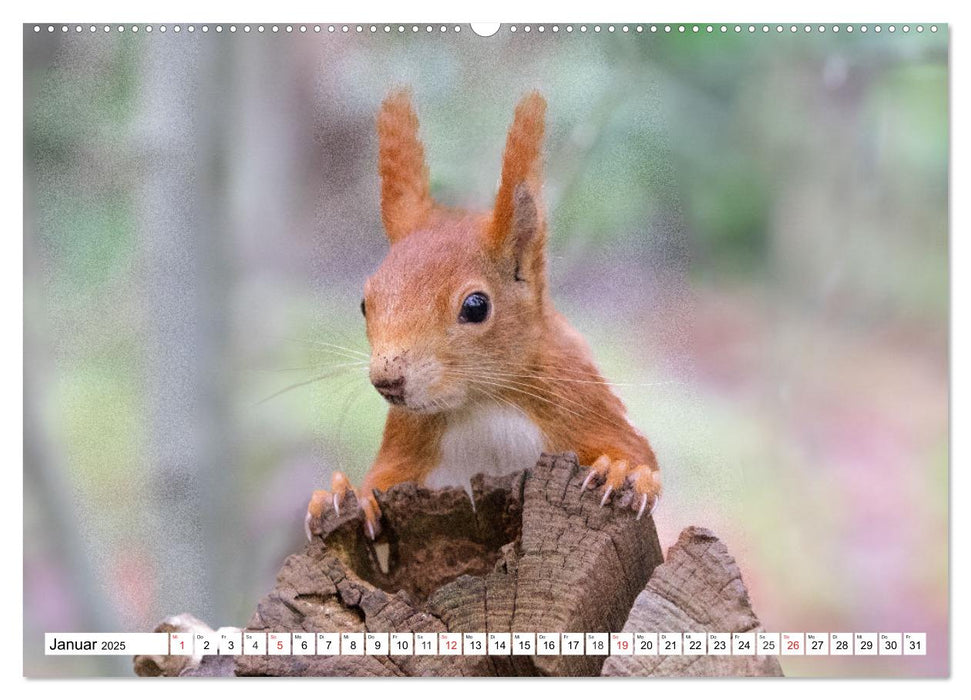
x=586, y=482
x=319, y=500
x=339, y=486
x=598, y=472
x=646, y=482
x=315, y=513
x=306, y=525
x=607, y=492
x=611, y=472
x=372, y=515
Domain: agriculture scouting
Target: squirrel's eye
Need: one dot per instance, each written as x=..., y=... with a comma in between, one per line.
x=363, y=312
x=475, y=308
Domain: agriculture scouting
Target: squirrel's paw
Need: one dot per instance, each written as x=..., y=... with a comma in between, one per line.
x=645, y=481
x=321, y=500
x=613, y=474
x=608, y=472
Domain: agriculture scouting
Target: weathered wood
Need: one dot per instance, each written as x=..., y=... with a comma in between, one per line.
x=698, y=589
x=534, y=555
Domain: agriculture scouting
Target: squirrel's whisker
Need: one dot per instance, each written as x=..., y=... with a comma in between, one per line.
x=538, y=386
x=508, y=387
x=324, y=346
x=353, y=351
x=553, y=378
x=345, y=409
x=359, y=363
x=297, y=385
x=497, y=399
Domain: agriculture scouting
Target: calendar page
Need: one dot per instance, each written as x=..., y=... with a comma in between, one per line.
x=545, y=349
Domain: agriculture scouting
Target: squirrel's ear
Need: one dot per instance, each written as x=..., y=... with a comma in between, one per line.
x=517, y=225
x=405, y=198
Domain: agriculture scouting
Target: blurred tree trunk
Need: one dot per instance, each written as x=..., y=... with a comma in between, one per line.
x=186, y=90
x=267, y=168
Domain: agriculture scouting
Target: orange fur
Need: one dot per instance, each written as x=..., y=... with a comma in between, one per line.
x=520, y=163
x=524, y=358
x=405, y=199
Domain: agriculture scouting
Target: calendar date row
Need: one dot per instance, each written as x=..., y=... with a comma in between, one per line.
x=553, y=644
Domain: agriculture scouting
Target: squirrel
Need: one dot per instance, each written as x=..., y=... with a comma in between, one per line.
x=482, y=374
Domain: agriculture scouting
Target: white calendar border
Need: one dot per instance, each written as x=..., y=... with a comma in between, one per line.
x=829, y=10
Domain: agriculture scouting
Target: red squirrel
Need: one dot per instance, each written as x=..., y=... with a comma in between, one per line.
x=482, y=374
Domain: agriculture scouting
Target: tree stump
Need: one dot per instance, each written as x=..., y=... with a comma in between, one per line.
x=535, y=554
x=698, y=589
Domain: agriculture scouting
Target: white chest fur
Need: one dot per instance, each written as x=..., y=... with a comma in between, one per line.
x=489, y=440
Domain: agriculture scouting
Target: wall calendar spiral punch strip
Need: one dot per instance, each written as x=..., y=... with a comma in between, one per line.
x=487, y=29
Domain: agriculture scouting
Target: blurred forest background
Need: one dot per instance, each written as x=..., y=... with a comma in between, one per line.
x=750, y=230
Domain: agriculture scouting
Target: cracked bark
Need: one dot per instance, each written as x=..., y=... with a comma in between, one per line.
x=535, y=556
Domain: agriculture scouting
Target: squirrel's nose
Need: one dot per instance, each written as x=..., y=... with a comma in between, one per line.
x=391, y=389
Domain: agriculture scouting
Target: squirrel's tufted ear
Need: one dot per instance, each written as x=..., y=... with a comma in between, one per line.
x=517, y=224
x=405, y=198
